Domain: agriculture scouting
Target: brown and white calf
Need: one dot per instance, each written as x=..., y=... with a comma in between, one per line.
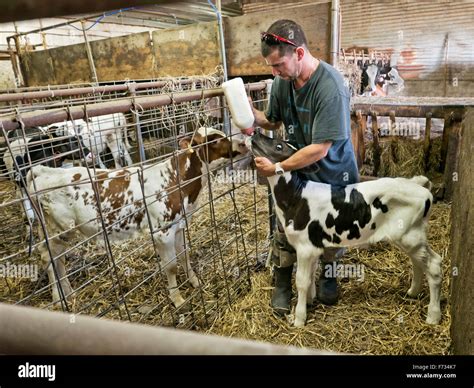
x=171, y=189
x=316, y=216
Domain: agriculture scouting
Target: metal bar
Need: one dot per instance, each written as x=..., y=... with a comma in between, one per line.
x=46, y=117
x=21, y=80
x=15, y=64
x=221, y=40
x=90, y=59
x=334, y=31
x=27, y=330
x=39, y=30
x=50, y=93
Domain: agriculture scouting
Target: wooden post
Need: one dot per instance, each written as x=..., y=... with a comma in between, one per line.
x=392, y=122
x=376, y=144
x=355, y=139
x=358, y=137
x=451, y=174
x=462, y=245
x=448, y=122
x=362, y=119
x=427, y=143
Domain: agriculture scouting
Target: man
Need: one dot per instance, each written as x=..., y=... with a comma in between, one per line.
x=309, y=97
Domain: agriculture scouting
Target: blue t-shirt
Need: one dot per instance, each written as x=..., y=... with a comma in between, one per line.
x=316, y=113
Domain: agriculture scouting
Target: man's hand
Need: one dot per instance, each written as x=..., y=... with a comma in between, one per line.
x=264, y=166
x=249, y=131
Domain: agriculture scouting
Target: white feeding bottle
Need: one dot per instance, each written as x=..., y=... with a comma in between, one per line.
x=239, y=104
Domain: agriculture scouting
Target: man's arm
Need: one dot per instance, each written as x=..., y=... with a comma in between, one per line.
x=262, y=121
x=302, y=158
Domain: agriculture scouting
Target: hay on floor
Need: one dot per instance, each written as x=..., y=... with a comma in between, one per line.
x=373, y=316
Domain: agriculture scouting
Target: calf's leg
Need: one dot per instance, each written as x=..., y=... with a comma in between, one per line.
x=58, y=260
x=166, y=247
x=426, y=261
x=184, y=258
x=304, y=278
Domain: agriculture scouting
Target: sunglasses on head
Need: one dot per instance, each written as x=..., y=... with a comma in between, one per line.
x=273, y=39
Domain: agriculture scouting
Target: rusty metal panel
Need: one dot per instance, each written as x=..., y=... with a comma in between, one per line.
x=70, y=64
x=189, y=50
x=123, y=57
x=431, y=43
x=242, y=36
x=60, y=65
x=37, y=68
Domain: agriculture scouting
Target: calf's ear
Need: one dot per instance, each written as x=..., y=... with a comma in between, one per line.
x=184, y=143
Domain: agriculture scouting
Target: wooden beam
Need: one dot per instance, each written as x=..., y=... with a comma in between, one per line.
x=437, y=111
x=34, y=9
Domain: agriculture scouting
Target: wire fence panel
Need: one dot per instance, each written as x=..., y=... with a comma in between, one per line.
x=96, y=212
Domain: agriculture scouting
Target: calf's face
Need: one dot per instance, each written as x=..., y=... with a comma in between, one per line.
x=213, y=145
x=275, y=150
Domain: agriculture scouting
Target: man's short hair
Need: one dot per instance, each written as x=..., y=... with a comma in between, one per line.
x=289, y=30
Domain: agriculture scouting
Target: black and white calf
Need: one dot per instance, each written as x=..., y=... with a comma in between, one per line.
x=316, y=216
x=99, y=133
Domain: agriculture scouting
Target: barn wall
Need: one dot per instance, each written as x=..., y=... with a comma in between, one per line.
x=192, y=49
x=462, y=246
x=123, y=57
x=242, y=35
x=432, y=43
x=57, y=37
x=114, y=58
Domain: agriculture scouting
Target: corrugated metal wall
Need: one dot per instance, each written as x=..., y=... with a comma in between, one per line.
x=432, y=43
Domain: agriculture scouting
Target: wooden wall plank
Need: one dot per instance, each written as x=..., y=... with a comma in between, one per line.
x=462, y=246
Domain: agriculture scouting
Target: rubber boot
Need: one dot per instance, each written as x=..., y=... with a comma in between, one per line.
x=281, y=297
x=327, y=289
